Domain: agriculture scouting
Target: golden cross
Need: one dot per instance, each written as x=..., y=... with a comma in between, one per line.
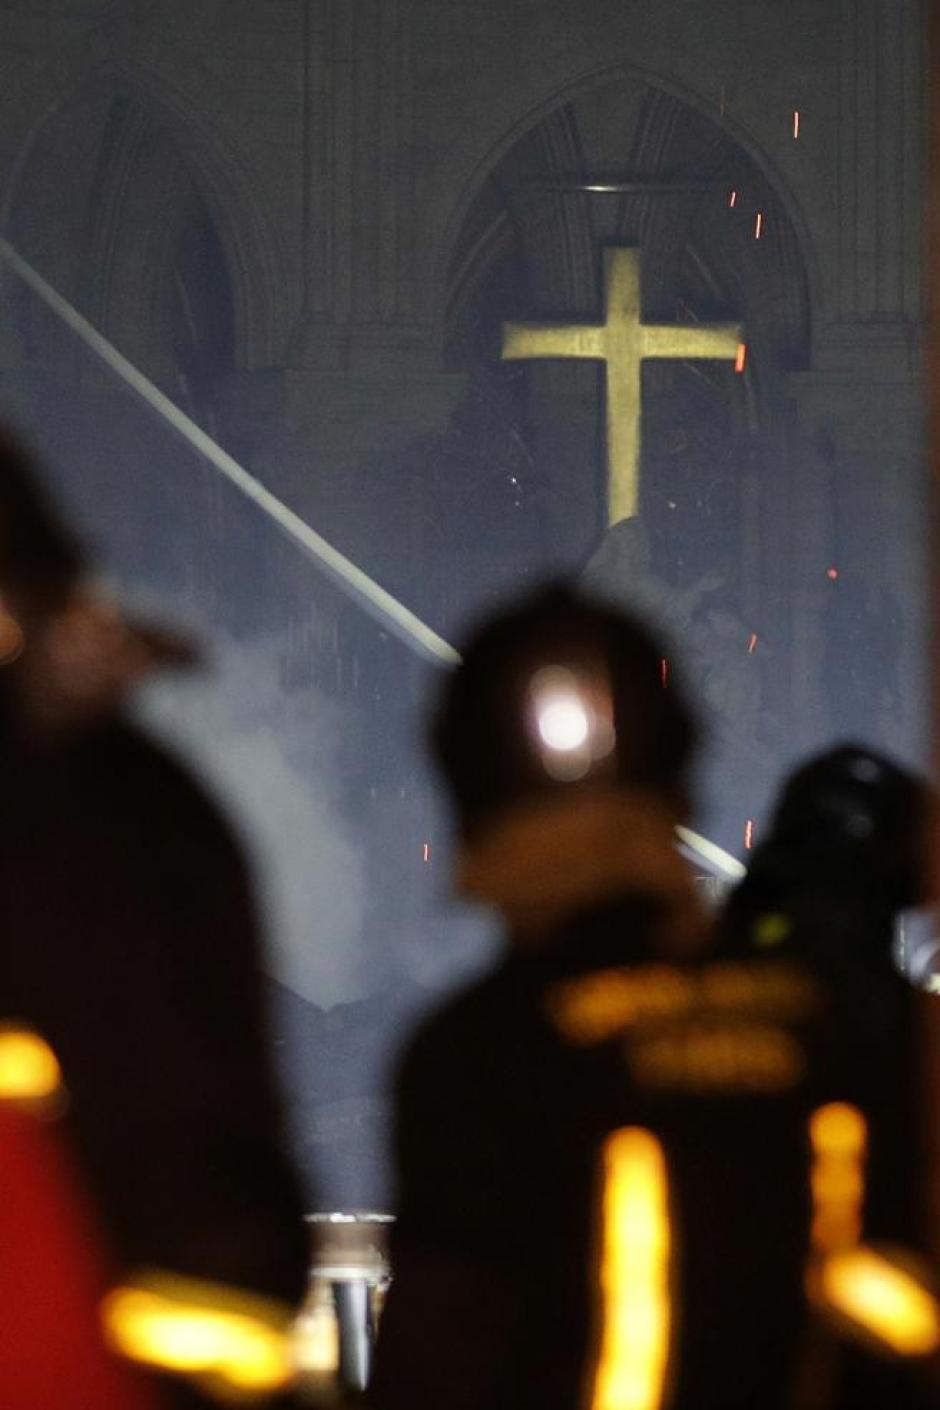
x=622, y=341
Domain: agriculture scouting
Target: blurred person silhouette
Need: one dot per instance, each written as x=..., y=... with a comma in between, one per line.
x=843, y=859
x=129, y=934
x=603, y=1177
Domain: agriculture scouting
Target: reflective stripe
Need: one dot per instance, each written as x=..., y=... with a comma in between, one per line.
x=881, y=1299
x=839, y=1139
x=201, y=1330
x=865, y=1290
x=634, y=1274
x=29, y=1069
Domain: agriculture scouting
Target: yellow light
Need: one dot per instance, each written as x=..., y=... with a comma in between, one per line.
x=317, y=1340
x=634, y=1353
x=183, y=1326
x=772, y=929
x=598, y=1005
x=838, y=1128
x=839, y=1135
x=715, y=1057
x=881, y=1299
x=29, y=1070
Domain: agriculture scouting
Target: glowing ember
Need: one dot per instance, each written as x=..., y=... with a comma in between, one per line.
x=733, y=199
x=796, y=125
x=752, y=643
x=759, y=225
x=426, y=852
x=749, y=834
x=832, y=574
x=664, y=672
x=740, y=362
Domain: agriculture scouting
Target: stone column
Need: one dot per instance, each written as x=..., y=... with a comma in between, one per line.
x=365, y=376
x=858, y=469
x=361, y=349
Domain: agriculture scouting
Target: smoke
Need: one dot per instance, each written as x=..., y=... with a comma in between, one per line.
x=270, y=756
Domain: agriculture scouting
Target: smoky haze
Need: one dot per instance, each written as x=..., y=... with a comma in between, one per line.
x=359, y=939
x=244, y=733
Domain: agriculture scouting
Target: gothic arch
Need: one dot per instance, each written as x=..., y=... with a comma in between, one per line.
x=524, y=243
x=530, y=216
x=261, y=298
x=567, y=93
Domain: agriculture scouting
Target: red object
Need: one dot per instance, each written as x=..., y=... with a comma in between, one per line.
x=832, y=574
x=52, y=1279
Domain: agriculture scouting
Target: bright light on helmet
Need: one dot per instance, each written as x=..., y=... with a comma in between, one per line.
x=572, y=723
x=563, y=722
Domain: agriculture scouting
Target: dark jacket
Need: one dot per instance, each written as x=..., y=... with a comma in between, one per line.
x=837, y=925
x=130, y=943
x=505, y=1101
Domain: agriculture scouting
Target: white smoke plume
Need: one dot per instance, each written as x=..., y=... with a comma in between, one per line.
x=235, y=723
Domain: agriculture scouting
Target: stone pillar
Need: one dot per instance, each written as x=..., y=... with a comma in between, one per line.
x=881, y=162
x=857, y=465
x=364, y=366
